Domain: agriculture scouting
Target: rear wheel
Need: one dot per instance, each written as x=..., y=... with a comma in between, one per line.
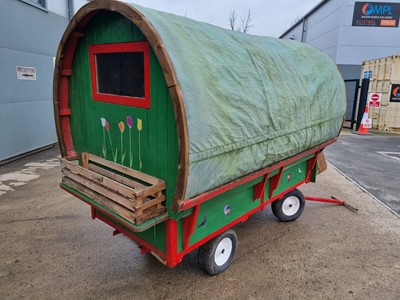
x=216, y=255
x=290, y=207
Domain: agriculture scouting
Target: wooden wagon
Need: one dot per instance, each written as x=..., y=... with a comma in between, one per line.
x=174, y=130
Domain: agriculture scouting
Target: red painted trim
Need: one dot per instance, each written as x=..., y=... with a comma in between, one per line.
x=63, y=92
x=66, y=72
x=118, y=48
x=65, y=112
x=189, y=225
x=171, y=240
x=130, y=235
x=238, y=220
x=189, y=203
x=274, y=182
x=221, y=230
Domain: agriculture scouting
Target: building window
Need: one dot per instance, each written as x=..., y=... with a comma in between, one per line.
x=120, y=73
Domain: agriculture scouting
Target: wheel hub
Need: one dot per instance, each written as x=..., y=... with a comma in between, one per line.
x=291, y=205
x=223, y=251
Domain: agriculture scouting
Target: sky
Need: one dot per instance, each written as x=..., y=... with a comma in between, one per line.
x=270, y=17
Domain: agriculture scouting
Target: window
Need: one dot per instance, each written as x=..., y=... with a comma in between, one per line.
x=120, y=73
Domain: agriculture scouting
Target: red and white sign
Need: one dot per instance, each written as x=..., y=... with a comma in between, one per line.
x=374, y=99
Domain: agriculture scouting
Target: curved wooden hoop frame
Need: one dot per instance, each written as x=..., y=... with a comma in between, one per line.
x=63, y=71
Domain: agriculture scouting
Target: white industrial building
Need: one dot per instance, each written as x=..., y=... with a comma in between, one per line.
x=30, y=31
x=350, y=32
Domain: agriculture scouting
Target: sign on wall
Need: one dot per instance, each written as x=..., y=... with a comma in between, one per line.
x=367, y=75
x=395, y=93
x=377, y=14
x=26, y=73
x=374, y=99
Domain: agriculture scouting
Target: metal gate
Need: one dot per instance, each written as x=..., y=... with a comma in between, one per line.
x=352, y=87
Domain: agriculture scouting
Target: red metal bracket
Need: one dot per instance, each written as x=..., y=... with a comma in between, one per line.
x=189, y=225
x=259, y=189
x=310, y=166
x=273, y=184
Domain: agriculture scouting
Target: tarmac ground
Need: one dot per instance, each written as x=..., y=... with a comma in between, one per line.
x=372, y=161
x=51, y=249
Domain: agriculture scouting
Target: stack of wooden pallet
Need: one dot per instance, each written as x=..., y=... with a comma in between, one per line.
x=133, y=195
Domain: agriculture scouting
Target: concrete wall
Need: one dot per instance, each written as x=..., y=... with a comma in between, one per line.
x=29, y=36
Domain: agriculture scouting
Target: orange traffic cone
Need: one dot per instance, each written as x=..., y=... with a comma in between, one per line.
x=365, y=122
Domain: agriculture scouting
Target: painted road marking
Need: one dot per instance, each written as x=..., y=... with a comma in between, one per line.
x=394, y=155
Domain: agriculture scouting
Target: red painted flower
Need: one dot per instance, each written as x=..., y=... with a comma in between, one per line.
x=107, y=126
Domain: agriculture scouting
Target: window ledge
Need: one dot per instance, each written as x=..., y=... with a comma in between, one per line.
x=35, y=5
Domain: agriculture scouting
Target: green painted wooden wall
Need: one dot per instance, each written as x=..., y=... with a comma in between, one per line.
x=158, y=147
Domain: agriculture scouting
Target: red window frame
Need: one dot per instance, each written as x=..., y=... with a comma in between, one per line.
x=120, y=48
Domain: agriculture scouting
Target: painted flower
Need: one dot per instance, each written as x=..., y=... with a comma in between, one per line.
x=103, y=122
x=139, y=124
x=121, y=126
x=107, y=126
x=129, y=121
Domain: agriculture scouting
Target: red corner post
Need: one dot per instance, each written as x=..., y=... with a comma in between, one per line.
x=173, y=257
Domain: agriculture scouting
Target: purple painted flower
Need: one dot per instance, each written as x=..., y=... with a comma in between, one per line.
x=129, y=121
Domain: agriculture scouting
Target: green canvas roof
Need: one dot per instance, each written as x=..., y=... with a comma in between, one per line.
x=241, y=102
x=250, y=100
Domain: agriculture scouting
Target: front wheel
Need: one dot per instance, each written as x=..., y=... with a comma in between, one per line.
x=216, y=255
x=290, y=207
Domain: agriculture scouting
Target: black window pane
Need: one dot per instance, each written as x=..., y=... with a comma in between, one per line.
x=121, y=73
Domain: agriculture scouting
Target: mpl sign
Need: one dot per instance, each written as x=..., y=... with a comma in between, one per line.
x=374, y=100
x=377, y=14
x=395, y=93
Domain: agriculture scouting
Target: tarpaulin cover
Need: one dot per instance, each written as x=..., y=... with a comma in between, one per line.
x=250, y=100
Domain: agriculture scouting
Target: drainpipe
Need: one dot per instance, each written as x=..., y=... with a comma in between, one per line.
x=303, y=31
x=70, y=9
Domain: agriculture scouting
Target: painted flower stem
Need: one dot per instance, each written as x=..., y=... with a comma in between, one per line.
x=130, y=149
x=139, y=128
x=129, y=122
x=104, y=144
x=112, y=150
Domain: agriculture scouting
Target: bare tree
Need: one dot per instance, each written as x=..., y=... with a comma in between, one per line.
x=232, y=19
x=246, y=21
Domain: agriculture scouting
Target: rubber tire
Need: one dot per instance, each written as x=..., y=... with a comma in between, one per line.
x=207, y=252
x=278, y=204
